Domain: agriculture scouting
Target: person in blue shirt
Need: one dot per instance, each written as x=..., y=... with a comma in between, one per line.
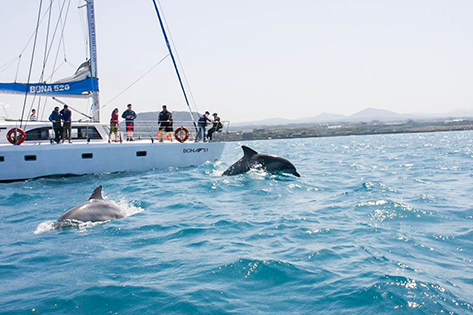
x=129, y=116
x=55, y=118
x=66, y=117
x=202, y=123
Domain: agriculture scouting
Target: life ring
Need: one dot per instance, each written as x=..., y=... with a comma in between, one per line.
x=16, y=136
x=178, y=133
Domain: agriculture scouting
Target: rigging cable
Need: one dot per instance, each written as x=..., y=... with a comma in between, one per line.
x=44, y=58
x=61, y=40
x=174, y=62
x=46, y=53
x=8, y=64
x=18, y=68
x=28, y=42
x=57, y=24
x=46, y=42
x=135, y=81
x=32, y=58
x=179, y=61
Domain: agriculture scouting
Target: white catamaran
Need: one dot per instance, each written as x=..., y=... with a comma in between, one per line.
x=27, y=150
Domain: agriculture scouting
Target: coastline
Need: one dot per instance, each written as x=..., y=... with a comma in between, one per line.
x=347, y=129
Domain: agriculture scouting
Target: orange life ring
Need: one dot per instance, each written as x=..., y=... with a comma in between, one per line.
x=16, y=136
x=178, y=133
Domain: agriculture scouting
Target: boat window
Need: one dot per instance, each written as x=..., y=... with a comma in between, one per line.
x=44, y=133
x=2, y=159
x=85, y=132
x=87, y=155
x=74, y=133
x=30, y=157
x=140, y=153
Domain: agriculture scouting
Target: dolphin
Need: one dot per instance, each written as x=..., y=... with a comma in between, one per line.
x=95, y=210
x=252, y=159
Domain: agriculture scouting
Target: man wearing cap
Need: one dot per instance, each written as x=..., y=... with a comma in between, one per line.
x=129, y=116
x=216, y=126
x=202, y=123
x=55, y=118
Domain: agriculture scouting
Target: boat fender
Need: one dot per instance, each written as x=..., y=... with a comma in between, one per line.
x=16, y=136
x=178, y=134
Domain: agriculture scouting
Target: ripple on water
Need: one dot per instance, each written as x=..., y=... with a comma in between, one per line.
x=376, y=224
x=389, y=210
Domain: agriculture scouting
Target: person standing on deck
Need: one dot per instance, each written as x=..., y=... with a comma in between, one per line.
x=114, y=125
x=202, y=123
x=129, y=116
x=55, y=118
x=33, y=115
x=66, y=116
x=216, y=126
x=165, y=123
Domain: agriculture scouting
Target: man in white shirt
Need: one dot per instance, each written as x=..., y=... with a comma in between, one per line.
x=33, y=115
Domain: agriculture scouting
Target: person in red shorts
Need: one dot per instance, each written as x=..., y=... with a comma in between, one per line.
x=129, y=116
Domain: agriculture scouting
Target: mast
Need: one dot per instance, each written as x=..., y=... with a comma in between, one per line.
x=173, y=60
x=93, y=58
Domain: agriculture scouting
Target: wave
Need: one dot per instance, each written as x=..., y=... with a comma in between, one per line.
x=389, y=210
x=264, y=273
x=109, y=299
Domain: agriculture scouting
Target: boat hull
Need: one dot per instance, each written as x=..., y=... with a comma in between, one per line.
x=31, y=161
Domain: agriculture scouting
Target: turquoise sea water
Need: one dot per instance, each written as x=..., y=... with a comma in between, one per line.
x=375, y=225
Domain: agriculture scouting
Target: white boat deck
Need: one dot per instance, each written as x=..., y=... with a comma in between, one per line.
x=39, y=158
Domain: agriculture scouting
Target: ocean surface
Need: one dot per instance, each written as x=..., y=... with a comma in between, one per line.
x=375, y=225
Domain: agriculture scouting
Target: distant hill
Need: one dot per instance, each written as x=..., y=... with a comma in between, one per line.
x=370, y=114
x=329, y=117
x=365, y=115
x=324, y=117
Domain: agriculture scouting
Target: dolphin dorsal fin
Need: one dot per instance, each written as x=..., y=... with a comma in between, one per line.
x=97, y=194
x=248, y=152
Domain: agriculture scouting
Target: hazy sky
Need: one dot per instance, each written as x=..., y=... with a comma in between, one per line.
x=250, y=60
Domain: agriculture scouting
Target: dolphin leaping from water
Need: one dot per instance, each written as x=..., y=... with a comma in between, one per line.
x=270, y=163
x=95, y=210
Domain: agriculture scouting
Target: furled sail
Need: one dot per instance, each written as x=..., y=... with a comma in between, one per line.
x=81, y=84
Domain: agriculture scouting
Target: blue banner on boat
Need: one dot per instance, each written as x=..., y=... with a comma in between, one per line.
x=77, y=88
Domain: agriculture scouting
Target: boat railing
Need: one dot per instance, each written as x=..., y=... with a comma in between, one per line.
x=150, y=130
x=42, y=131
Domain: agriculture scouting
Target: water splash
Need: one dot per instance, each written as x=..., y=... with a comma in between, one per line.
x=128, y=209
